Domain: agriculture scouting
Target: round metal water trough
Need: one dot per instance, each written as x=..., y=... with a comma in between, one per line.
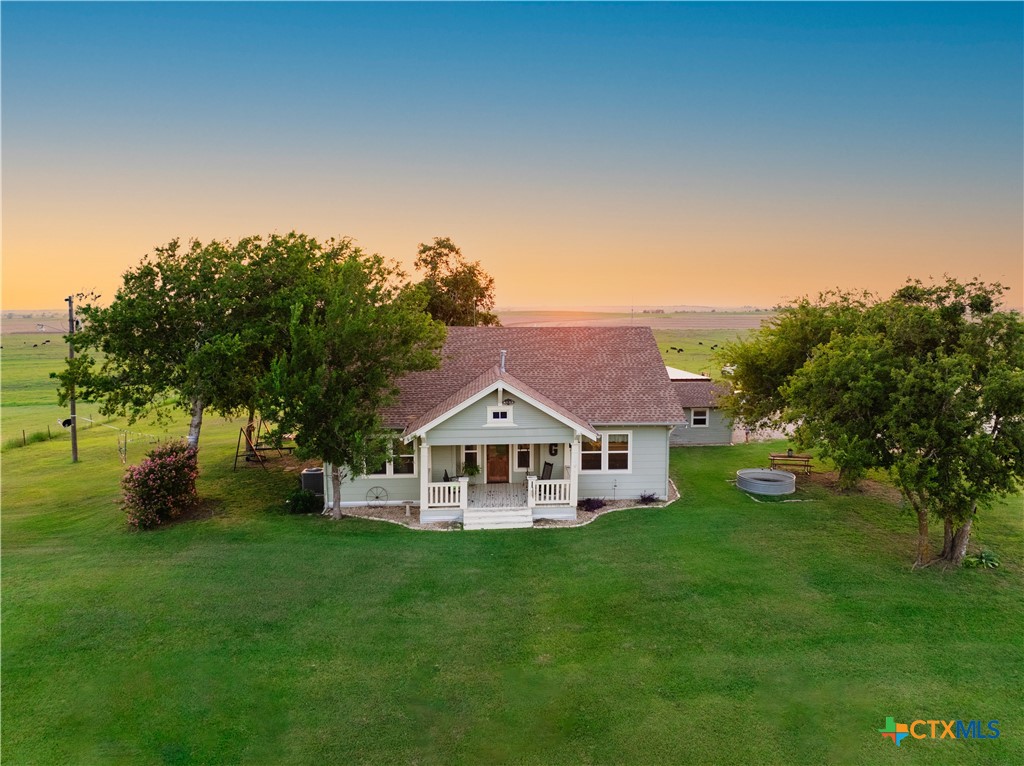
x=766, y=481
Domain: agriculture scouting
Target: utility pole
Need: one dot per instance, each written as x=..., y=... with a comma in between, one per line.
x=71, y=355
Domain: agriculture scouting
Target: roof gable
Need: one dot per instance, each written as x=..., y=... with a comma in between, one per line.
x=486, y=384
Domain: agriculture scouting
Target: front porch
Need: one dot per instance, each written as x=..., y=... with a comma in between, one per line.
x=496, y=486
x=497, y=496
x=499, y=506
x=533, y=493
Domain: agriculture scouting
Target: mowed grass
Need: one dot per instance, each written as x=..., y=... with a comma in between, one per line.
x=718, y=630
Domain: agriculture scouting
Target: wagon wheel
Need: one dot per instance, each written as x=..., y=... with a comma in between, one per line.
x=376, y=496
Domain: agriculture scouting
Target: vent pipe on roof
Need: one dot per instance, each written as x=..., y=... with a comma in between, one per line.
x=504, y=353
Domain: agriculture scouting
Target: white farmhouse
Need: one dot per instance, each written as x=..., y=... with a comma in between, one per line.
x=520, y=423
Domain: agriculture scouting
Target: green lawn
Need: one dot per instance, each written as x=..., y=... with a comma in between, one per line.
x=718, y=630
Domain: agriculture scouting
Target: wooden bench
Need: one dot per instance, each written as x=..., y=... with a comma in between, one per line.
x=781, y=459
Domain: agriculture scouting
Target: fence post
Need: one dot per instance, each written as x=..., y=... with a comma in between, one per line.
x=49, y=436
x=24, y=441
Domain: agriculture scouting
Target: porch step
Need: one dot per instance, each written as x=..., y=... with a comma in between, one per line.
x=505, y=518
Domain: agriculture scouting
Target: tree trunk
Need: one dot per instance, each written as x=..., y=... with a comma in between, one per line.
x=947, y=538
x=197, y=422
x=958, y=548
x=924, y=553
x=336, y=491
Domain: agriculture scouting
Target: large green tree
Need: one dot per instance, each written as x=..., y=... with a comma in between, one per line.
x=346, y=350
x=160, y=339
x=197, y=326
x=927, y=384
x=459, y=292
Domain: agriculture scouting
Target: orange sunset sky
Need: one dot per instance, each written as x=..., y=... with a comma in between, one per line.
x=585, y=154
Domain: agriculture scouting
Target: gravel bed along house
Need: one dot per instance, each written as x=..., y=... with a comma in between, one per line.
x=396, y=514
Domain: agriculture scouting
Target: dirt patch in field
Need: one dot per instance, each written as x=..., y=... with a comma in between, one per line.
x=206, y=508
x=865, y=487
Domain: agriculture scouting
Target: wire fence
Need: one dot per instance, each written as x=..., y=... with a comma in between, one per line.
x=125, y=436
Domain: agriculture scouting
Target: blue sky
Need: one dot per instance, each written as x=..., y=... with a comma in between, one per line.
x=649, y=153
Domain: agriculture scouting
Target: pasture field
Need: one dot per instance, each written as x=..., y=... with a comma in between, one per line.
x=28, y=398
x=697, y=354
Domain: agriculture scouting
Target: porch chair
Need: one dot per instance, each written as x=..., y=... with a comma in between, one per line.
x=546, y=473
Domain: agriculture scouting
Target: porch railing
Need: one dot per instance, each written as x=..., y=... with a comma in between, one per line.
x=548, y=491
x=447, y=494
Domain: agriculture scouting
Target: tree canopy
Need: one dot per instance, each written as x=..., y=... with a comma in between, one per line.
x=346, y=350
x=927, y=384
x=198, y=326
x=161, y=338
x=459, y=292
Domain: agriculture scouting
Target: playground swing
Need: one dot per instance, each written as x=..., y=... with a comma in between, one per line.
x=254, y=449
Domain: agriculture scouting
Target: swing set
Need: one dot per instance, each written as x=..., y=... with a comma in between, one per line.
x=254, y=449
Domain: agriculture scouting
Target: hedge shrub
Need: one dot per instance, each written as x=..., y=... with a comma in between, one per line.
x=162, y=486
x=304, y=501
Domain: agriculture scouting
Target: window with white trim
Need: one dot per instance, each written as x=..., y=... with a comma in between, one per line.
x=699, y=418
x=612, y=452
x=402, y=462
x=590, y=454
x=617, y=446
x=500, y=416
x=524, y=457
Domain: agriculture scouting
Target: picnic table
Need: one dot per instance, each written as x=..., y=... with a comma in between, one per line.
x=784, y=459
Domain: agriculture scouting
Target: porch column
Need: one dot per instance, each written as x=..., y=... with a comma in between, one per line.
x=574, y=472
x=531, y=491
x=463, y=492
x=424, y=472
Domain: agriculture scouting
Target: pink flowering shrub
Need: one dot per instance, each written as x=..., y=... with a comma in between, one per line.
x=161, y=487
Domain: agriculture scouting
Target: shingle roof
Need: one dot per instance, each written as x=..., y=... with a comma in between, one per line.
x=600, y=375
x=699, y=393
